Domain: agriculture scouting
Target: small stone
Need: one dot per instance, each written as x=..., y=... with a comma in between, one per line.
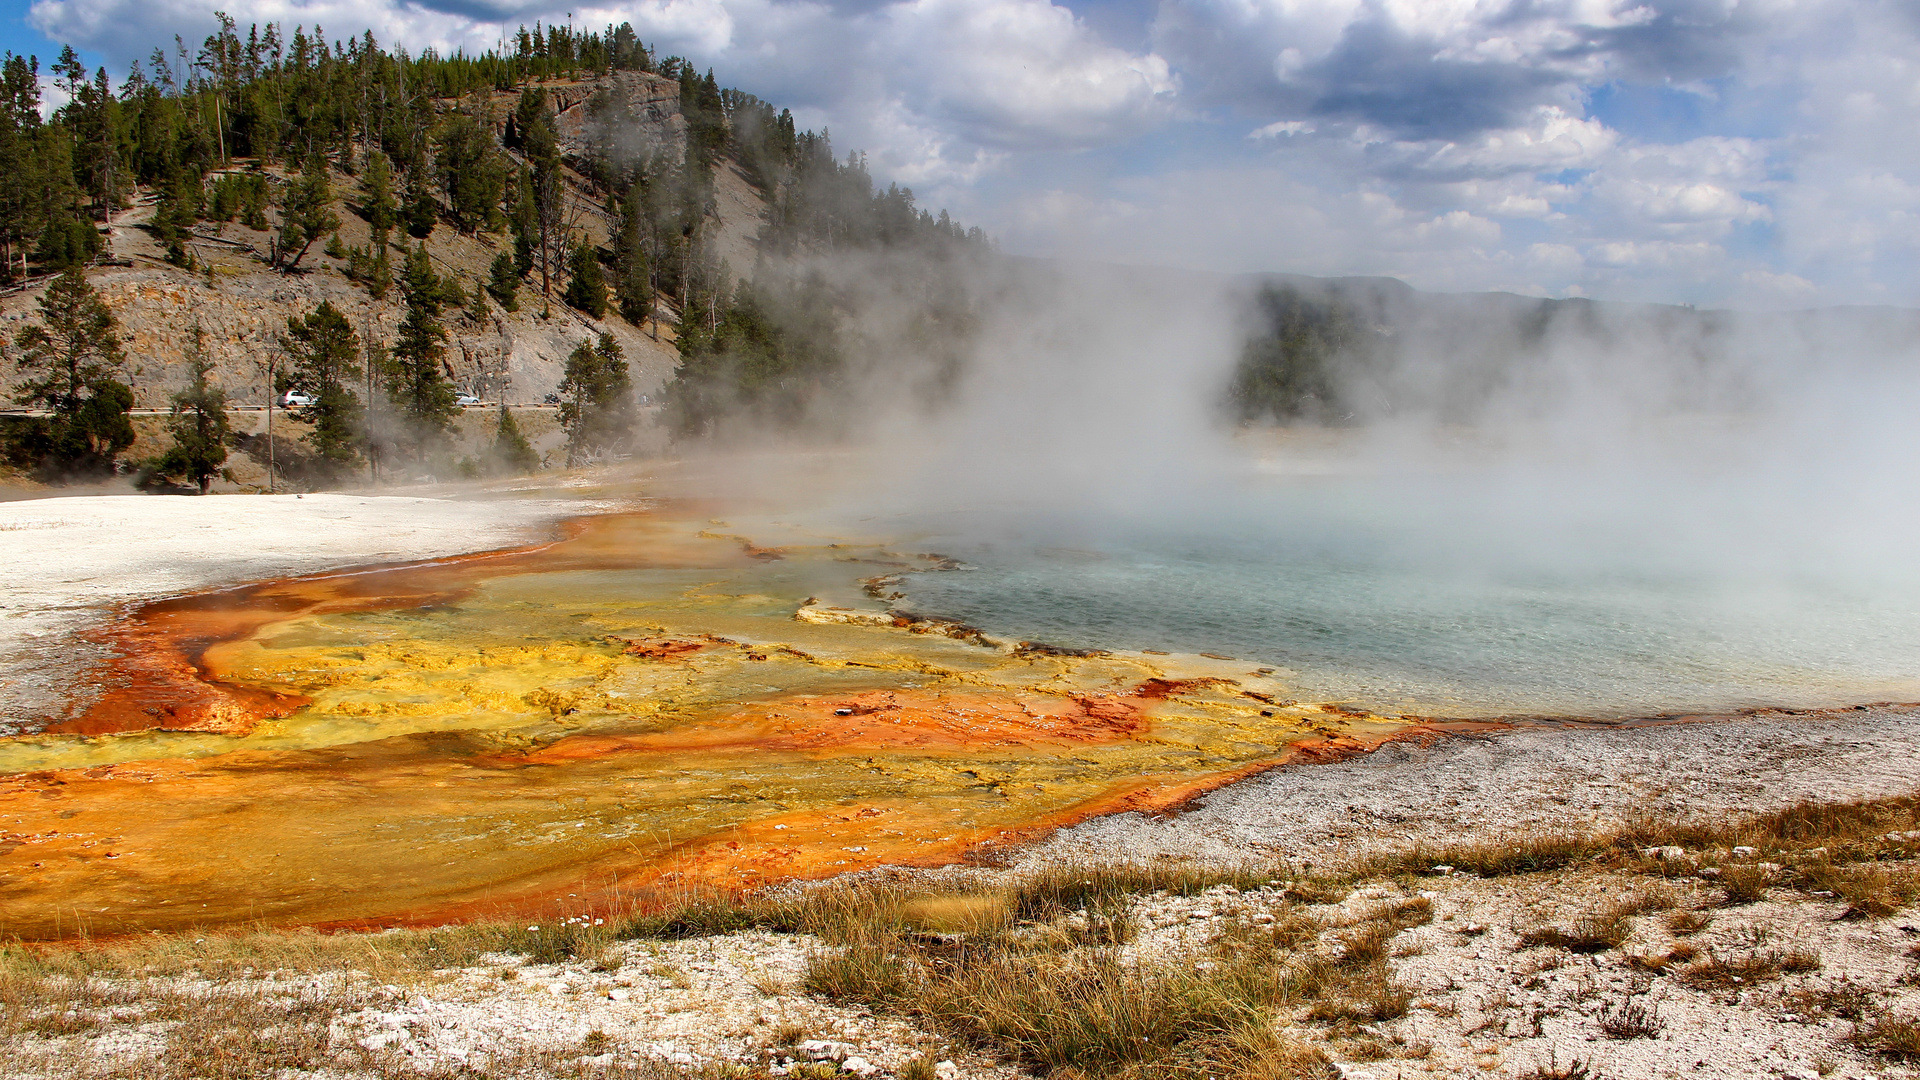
x=617, y=994
x=946, y=1070
x=1263, y=918
x=825, y=1050
x=859, y=1066
x=680, y=1058
x=1745, y=852
x=1442, y=868
x=1710, y=871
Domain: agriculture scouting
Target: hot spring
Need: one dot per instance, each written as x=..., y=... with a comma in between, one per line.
x=1077, y=594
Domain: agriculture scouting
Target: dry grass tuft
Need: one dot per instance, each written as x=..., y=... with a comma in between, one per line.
x=791, y=1034
x=920, y=1068
x=1364, y=997
x=1895, y=1037
x=1630, y=1020
x=1688, y=922
x=1870, y=891
x=1744, y=883
x=871, y=972
x=1845, y=1001
x=1649, y=898
x=1596, y=932
x=1056, y=890
x=1723, y=972
x=1512, y=855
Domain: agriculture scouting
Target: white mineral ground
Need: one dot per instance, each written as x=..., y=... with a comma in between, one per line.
x=1563, y=779
x=69, y=562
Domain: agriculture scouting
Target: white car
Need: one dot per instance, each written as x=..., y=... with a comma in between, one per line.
x=465, y=400
x=296, y=400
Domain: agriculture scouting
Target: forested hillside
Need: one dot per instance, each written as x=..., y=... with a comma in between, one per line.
x=1359, y=350
x=380, y=231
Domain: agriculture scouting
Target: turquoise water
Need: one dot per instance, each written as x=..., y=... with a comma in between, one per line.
x=1467, y=593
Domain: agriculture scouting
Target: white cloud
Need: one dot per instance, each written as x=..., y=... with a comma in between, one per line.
x=1281, y=127
x=1018, y=71
x=1459, y=143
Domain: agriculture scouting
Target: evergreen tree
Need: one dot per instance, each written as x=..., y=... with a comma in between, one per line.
x=503, y=282
x=596, y=400
x=322, y=355
x=306, y=213
x=20, y=203
x=471, y=173
x=379, y=275
x=417, y=385
x=71, y=360
x=544, y=193
x=586, y=285
x=426, y=288
x=633, y=283
x=523, y=221
x=512, y=453
x=422, y=212
x=382, y=212
x=197, y=425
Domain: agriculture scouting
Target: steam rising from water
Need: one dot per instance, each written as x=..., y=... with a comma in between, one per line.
x=1632, y=511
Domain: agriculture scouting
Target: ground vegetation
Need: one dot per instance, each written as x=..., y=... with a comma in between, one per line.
x=1607, y=953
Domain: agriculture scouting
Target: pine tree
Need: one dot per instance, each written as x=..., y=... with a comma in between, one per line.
x=634, y=281
x=72, y=359
x=306, y=214
x=19, y=164
x=586, y=284
x=596, y=400
x=512, y=453
x=422, y=212
x=380, y=275
x=382, y=212
x=416, y=384
x=470, y=173
x=523, y=220
x=503, y=282
x=322, y=355
x=197, y=425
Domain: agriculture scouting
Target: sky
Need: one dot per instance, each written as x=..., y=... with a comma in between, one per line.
x=1743, y=153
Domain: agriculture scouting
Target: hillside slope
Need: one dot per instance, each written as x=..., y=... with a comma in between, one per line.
x=243, y=304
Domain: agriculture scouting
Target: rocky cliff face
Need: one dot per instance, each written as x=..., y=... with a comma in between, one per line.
x=640, y=110
x=243, y=305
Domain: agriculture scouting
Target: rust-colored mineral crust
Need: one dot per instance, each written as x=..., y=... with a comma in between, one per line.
x=637, y=707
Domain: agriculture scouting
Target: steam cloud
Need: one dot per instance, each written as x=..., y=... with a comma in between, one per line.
x=1700, y=509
